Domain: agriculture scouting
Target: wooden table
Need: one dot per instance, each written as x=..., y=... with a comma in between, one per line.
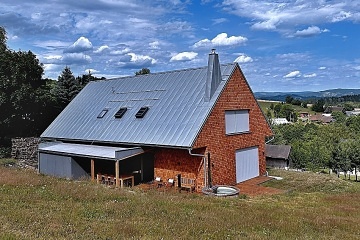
x=122, y=178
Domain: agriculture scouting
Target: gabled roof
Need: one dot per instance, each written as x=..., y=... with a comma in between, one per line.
x=277, y=151
x=176, y=109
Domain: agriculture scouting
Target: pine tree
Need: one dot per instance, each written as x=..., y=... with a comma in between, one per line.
x=67, y=88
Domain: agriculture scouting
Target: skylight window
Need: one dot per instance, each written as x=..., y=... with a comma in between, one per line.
x=121, y=112
x=103, y=113
x=141, y=113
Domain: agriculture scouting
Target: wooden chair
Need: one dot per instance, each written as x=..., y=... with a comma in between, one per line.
x=170, y=183
x=188, y=184
x=106, y=179
x=111, y=180
x=157, y=182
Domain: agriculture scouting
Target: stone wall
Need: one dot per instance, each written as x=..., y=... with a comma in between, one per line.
x=25, y=150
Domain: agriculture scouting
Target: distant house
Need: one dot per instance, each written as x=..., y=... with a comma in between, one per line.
x=353, y=113
x=279, y=121
x=332, y=109
x=277, y=156
x=321, y=119
x=304, y=114
x=202, y=123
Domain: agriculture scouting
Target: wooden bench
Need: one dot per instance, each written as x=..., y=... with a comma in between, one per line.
x=188, y=184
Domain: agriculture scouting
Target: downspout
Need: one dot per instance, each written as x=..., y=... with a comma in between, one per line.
x=203, y=160
x=273, y=137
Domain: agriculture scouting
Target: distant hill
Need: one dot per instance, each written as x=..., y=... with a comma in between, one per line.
x=280, y=96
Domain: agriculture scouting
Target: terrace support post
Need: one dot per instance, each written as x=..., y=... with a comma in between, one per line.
x=92, y=170
x=117, y=174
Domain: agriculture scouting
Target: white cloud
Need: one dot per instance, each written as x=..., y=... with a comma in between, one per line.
x=101, y=49
x=342, y=15
x=219, y=20
x=154, y=45
x=52, y=59
x=266, y=25
x=310, y=31
x=357, y=68
x=243, y=59
x=293, y=74
x=184, y=56
x=310, y=75
x=139, y=58
x=91, y=70
x=273, y=15
x=76, y=58
x=50, y=67
x=221, y=39
x=322, y=68
x=81, y=45
x=120, y=52
x=132, y=60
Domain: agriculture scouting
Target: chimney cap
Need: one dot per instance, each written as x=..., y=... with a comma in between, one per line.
x=213, y=51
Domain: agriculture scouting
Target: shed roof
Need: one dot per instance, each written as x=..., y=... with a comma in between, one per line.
x=82, y=150
x=277, y=151
x=176, y=109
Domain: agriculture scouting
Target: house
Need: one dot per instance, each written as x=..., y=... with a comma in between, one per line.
x=353, y=113
x=321, y=119
x=332, y=109
x=199, y=123
x=279, y=121
x=277, y=156
x=304, y=114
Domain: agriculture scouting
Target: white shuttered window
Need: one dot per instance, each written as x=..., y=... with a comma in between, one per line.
x=237, y=121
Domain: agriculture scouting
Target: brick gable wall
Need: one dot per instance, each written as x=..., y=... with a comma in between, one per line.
x=237, y=95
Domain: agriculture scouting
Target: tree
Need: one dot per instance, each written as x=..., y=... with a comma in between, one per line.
x=86, y=78
x=268, y=114
x=67, y=88
x=289, y=99
x=143, y=71
x=353, y=123
x=348, y=107
x=318, y=106
x=3, y=39
x=20, y=78
x=23, y=94
x=288, y=112
x=277, y=109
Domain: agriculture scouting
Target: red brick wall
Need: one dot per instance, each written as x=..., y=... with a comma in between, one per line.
x=236, y=96
x=212, y=138
x=171, y=162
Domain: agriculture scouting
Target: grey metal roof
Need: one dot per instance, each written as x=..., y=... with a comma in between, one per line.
x=177, y=110
x=82, y=150
x=277, y=151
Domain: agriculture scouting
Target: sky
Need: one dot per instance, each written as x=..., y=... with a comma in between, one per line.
x=280, y=45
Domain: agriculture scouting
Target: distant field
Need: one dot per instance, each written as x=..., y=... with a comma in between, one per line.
x=265, y=104
x=315, y=206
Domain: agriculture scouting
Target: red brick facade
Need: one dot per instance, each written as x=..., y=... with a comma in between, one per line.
x=237, y=95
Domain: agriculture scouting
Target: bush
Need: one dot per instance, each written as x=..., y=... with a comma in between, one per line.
x=5, y=152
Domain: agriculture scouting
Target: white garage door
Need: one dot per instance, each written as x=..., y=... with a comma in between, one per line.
x=247, y=164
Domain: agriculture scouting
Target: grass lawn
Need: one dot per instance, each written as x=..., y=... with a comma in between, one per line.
x=315, y=206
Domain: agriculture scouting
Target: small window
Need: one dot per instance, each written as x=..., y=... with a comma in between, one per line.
x=103, y=113
x=121, y=112
x=237, y=121
x=141, y=113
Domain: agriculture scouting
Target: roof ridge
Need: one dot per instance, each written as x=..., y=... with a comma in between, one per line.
x=158, y=73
